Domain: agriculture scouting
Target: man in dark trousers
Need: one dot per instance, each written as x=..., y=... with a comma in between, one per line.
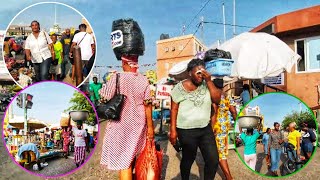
x=65, y=65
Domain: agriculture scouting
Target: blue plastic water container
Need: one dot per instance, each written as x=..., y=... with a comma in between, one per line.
x=219, y=67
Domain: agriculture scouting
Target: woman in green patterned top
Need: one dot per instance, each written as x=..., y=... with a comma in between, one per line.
x=191, y=112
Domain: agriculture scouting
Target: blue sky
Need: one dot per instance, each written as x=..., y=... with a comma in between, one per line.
x=50, y=99
x=66, y=17
x=275, y=106
x=166, y=16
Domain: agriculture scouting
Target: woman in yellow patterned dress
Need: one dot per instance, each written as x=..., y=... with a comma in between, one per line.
x=221, y=125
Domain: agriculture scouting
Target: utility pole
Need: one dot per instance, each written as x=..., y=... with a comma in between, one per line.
x=183, y=29
x=234, y=18
x=25, y=113
x=201, y=23
x=224, y=23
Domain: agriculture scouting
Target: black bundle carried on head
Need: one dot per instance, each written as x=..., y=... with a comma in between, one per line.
x=127, y=38
x=212, y=54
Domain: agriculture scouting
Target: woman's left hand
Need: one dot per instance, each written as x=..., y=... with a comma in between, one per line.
x=150, y=133
x=206, y=76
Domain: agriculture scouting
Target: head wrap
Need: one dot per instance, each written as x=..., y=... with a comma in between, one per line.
x=132, y=61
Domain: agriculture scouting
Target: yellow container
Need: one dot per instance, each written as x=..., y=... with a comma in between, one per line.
x=65, y=121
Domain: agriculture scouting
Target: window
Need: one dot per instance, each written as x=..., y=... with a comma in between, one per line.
x=173, y=48
x=166, y=49
x=181, y=47
x=309, y=50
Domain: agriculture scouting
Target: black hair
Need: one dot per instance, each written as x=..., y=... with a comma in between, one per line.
x=245, y=87
x=218, y=83
x=94, y=78
x=275, y=123
x=267, y=130
x=194, y=63
x=304, y=124
x=76, y=32
x=82, y=26
x=250, y=131
x=54, y=35
x=35, y=21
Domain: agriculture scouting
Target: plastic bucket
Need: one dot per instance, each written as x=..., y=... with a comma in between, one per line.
x=219, y=67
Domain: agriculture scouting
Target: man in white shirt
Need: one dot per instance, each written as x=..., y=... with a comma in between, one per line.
x=86, y=43
x=80, y=144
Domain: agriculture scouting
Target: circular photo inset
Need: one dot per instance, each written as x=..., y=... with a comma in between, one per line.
x=276, y=134
x=50, y=129
x=49, y=41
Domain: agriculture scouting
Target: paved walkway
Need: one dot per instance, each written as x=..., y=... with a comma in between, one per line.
x=92, y=169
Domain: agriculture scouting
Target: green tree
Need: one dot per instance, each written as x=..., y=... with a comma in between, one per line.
x=80, y=102
x=299, y=118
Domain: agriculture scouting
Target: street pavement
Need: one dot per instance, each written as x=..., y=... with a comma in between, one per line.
x=92, y=170
x=262, y=168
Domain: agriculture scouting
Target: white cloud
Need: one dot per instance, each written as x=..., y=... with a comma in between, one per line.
x=18, y=5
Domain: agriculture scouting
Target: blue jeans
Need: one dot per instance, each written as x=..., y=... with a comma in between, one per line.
x=65, y=65
x=293, y=156
x=275, y=158
x=42, y=70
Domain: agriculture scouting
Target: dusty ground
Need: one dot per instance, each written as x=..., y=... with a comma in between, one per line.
x=92, y=169
x=262, y=168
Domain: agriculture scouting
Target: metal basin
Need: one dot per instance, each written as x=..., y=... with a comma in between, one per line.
x=249, y=121
x=79, y=115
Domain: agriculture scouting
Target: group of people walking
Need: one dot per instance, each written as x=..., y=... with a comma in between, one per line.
x=77, y=137
x=277, y=143
x=51, y=57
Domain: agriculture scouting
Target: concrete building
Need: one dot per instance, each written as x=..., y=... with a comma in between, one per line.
x=173, y=50
x=301, y=31
x=19, y=30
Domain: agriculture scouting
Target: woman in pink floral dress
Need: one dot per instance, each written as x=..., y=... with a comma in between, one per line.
x=66, y=140
x=125, y=139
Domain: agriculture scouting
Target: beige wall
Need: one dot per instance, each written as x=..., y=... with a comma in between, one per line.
x=174, y=50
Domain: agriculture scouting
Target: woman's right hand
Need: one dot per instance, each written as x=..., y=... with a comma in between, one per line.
x=173, y=137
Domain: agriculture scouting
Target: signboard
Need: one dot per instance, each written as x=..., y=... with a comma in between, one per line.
x=163, y=91
x=278, y=80
x=116, y=39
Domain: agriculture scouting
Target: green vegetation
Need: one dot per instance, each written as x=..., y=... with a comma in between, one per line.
x=80, y=102
x=299, y=118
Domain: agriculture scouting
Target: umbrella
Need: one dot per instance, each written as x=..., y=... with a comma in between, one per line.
x=32, y=123
x=179, y=70
x=259, y=55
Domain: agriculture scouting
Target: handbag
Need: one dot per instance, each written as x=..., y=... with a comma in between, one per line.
x=149, y=163
x=53, y=60
x=112, y=108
